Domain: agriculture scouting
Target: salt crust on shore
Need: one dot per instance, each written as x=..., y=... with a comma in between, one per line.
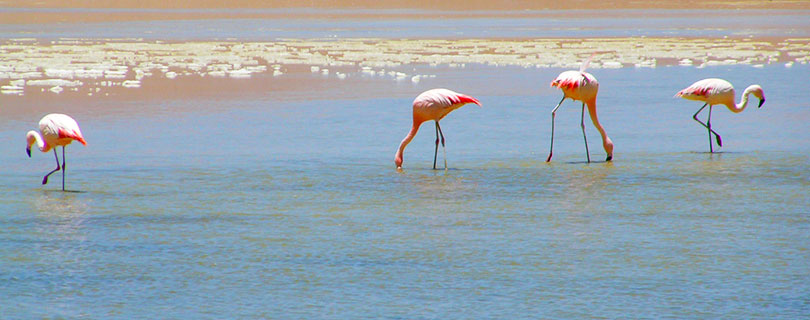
x=126, y=62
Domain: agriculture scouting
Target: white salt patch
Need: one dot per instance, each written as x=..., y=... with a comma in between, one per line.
x=215, y=74
x=115, y=74
x=131, y=84
x=241, y=73
x=612, y=64
x=59, y=73
x=28, y=75
x=89, y=73
x=54, y=82
x=11, y=92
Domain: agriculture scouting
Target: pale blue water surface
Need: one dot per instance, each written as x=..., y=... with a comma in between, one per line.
x=287, y=205
x=402, y=23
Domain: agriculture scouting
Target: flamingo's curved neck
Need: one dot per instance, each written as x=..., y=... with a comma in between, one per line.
x=737, y=108
x=607, y=144
x=34, y=137
x=400, y=152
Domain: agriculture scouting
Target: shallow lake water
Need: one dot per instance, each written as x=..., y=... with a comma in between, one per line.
x=258, y=207
x=288, y=205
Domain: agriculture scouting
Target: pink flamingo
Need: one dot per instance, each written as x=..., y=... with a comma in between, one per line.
x=433, y=105
x=581, y=86
x=55, y=130
x=718, y=91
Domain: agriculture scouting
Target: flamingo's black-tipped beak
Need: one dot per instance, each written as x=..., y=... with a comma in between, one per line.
x=609, y=158
x=28, y=151
x=761, y=101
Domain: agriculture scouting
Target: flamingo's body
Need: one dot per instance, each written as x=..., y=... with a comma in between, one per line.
x=718, y=91
x=54, y=130
x=433, y=105
x=580, y=86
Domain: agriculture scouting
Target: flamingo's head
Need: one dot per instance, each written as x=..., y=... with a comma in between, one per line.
x=30, y=139
x=757, y=91
x=398, y=161
x=608, y=145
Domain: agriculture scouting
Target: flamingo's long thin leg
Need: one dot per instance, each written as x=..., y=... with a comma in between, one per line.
x=719, y=142
x=444, y=150
x=709, y=124
x=64, y=168
x=436, y=151
x=582, y=124
x=45, y=179
x=553, y=112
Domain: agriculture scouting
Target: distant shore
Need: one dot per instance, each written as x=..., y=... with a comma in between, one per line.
x=50, y=11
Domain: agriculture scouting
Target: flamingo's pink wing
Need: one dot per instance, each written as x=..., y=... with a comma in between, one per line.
x=72, y=134
x=695, y=91
x=463, y=98
x=63, y=126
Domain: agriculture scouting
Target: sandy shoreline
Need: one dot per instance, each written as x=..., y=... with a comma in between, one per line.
x=37, y=12
x=452, y=5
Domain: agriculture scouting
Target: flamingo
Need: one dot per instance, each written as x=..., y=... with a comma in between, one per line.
x=580, y=86
x=718, y=91
x=434, y=105
x=54, y=130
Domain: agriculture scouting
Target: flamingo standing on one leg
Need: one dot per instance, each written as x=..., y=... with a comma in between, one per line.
x=55, y=130
x=581, y=86
x=718, y=91
x=433, y=105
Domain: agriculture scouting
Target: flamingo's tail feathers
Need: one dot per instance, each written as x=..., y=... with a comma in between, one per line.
x=565, y=83
x=72, y=135
x=463, y=98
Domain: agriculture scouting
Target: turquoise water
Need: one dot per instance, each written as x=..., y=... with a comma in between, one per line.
x=287, y=205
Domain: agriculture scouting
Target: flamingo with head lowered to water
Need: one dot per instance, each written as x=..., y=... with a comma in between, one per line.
x=433, y=105
x=581, y=86
x=54, y=130
x=718, y=91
